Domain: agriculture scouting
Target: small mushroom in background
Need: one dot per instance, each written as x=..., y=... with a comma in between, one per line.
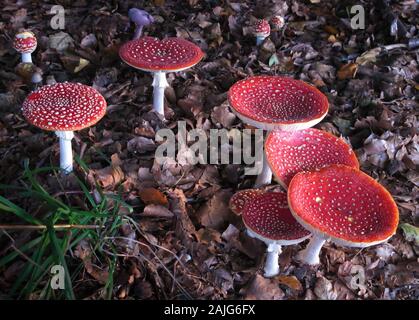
x=277, y=22
x=262, y=30
x=141, y=19
x=37, y=76
x=25, y=43
x=268, y=218
x=341, y=204
x=64, y=108
x=276, y=103
x=159, y=57
x=240, y=198
x=291, y=152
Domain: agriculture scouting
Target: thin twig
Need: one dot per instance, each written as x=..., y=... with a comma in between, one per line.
x=43, y=227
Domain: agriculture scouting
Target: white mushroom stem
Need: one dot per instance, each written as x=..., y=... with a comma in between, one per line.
x=272, y=266
x=66, y=152
x=26, y=57
x=259, y=40
x=265, y=177
x=159, y=83
x=310, y=255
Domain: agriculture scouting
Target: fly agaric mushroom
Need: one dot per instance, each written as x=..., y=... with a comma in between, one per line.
x=278, y=22
x=25, y=43
x=268, y=218
x=141, y=19
x=240, y=198
x=262, y=30
x=159, y=57
x=344, y=205
x=64, y=108
x=289, y=153
x=274, y=102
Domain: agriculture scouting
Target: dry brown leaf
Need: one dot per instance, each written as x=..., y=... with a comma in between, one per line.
x=141, y=145
x=368, y=56
x=156, y=211
x=84, y=253
x=153, y=196
x=324, y=289
x=223, y=116
x=215, y=213
x=261, y=288
x=207, y=235
x=290, y=281
x=109, y=177
x=347, y=71
x=159, y=3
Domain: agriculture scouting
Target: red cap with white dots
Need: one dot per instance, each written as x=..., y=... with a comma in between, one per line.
x=278, y=22
x=274, y=102
x=289, y=153
x=152, y=54
x=240, y=198
x=268, y=217
x=64, y=107
x=25, y=42
x=343, y=204
x=262, y=28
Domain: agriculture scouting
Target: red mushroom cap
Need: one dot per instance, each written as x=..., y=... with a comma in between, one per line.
x=25, y=42
x=267, y=217
x=240, y=198
x=64, y=107
x=152, y=54
x=344, y=204
x=262, y=28
x=278, y=22
x=289, y=153
x=273, y=102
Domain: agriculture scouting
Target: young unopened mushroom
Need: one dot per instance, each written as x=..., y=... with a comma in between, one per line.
x=277, y=22
x=290, y=152
x=240, y=198
x=268, y=218
x=64, y=108
x=25, y=43
x=141, y=19
x=262, y=30
x=344, y=205
x=159, y=57
x=274, y=102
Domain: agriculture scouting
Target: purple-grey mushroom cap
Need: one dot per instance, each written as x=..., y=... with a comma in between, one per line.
x=140, y=17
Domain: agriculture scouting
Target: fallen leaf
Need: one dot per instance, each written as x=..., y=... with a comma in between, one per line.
x=261, y=288
x=347, y=71
x=411, y=233
x=223, y=116
x=153, y=196
x=141, y=145
x=324, y=289
x=273, y=60
x=74, y=63
x=368, y=56
x=83, y=252
x=157, y=211
x=109, y=177
x=290, y=281
x=215, y=213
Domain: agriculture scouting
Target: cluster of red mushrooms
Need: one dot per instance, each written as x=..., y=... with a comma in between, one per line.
x=262, y=28
x=66, y=107
x=327, y=197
